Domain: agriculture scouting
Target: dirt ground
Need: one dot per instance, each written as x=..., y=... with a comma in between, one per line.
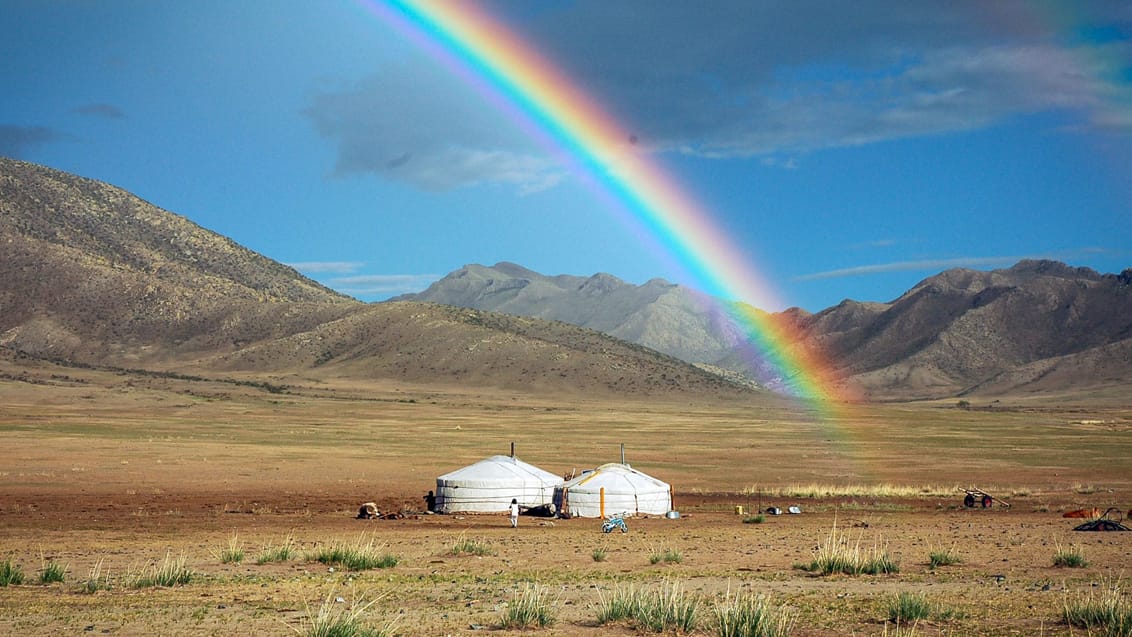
x=1005, y=584
x=112, y=477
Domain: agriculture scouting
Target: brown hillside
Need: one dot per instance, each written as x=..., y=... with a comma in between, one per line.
x=427, y=343
x=92, y=275
x=968, y=332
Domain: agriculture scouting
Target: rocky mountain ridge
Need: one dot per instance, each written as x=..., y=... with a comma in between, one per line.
x=958, y=332
x=92, y=275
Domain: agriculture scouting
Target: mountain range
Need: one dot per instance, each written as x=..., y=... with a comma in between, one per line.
x=92, y=275
x=1037, y=326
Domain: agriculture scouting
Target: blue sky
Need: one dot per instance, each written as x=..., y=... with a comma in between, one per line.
x=852, y=149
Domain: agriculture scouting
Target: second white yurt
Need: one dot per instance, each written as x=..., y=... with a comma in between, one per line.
x=613, y=489
x=489, y=485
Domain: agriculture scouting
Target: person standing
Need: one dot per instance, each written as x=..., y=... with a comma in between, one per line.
x=514, y=513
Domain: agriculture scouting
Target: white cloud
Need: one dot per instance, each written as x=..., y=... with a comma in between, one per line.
x=382, y=284
x=742, y=79
x=906, y=266
x=320, y=267
x=955, y=262
x=416, y=125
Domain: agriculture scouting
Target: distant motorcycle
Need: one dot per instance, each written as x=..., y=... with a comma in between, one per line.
x=615, y=522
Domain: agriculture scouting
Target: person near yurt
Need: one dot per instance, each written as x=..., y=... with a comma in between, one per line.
x=489, y=485
x=613, y=489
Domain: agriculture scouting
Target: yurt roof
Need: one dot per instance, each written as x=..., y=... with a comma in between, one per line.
x=501, y=469
x=616, y=473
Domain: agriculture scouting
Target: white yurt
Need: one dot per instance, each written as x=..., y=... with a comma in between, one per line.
x=613, y=489
x=489, y=485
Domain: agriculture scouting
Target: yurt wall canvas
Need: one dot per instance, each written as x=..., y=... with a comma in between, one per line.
x=613, y=489
x=489, y=485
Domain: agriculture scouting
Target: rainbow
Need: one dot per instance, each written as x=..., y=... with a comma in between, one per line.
x=471, y=41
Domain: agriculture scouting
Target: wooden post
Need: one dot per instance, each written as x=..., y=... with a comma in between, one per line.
x=601, y=501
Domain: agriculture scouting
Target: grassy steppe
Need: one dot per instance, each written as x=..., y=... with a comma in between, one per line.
x=112, y=475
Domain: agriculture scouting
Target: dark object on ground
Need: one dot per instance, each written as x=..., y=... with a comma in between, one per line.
x=542, y=511
x=1102, y=523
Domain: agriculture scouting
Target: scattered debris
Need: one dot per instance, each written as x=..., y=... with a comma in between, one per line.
x=1083, y=513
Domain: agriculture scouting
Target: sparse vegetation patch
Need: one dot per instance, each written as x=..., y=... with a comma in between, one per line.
x=839, y=554
x=471, y=546
x=336, y=617
x=748, y=615
x=278, y=552
x=361, y=555
x=532, y=608
x=1108, y=613
x=662, y=609
x=171, y=572
x=943, y=557
x=1069, y=557
x=668, y=556
x=908, y=607
x=10, y=573
x=233, y=552
x=52, y=572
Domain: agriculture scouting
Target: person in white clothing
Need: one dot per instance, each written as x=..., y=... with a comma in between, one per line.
x=514, y=513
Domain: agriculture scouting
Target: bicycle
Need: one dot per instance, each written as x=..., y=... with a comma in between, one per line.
x=614, y=522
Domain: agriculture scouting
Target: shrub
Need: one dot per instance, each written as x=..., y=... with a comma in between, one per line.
x=837, y=555
x=278, y=553
x=362, y=555
x=1108, y=614
x=232, y=553
x=598, y=554
x=621, y=605
x=52, y=572
x=749, y=616
x=1070, y=557
x=943, y=557
x=10, y=574
x=171, y=572
x=909, y=607
x=754, y=519
x=471, y=546
x=334, y=619
x=530, y=609
x=668, y=556
x=659, y=611
x=670, y=607
x=96, y=580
